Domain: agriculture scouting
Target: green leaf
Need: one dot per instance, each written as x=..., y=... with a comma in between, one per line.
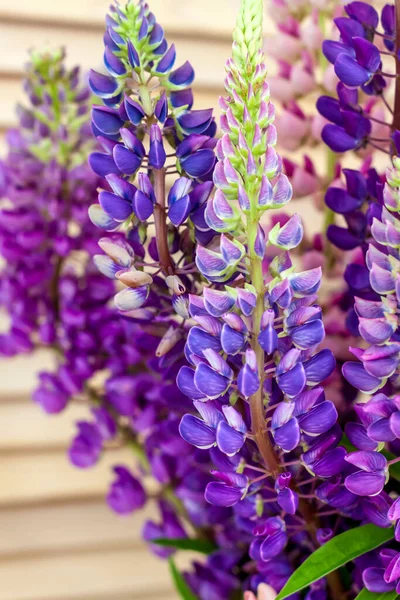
x=182, y=587
x=337, y=552
x=203, y=546
x=366, y=595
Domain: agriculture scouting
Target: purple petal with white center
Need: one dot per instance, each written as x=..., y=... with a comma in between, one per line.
x=306, y=283
x=358, y=377
x=142, y=206
x=273, y=545
x=182, y=76
x=247, y=301
x=106, y=119
x=118, y=250
x=106, y=265
x=185, y=382
x=288, y=500
x=113, y=65
x=292, y=382
x=307, y=400
x=132, y=142
x=368, y=461
x=376, y=331
x=362, y=483
x=161, y=108
x=210, y=414
x=133, y=56
x=196, y=432
x=260, y=242
x=134, y=110
x=302, y=315
x=268, y=339
x=289, y=236
x=121, y=187
x=127, y=161
x=229, y=441
x=101, y=85
x=381, y=280
x=282, y=414
x=231, y=252
x=218, y=363
x=117, y=208
x=288, y=361
x=217, y=303
x=308, y=335
x=234, y=418
x=232, y=341
x=209, y=262
x=248, y=381
x=210, y=383
x=179, y=211
x=103, y=164
x=195, y=121
x=384, y=367
x=282, y=192
x=287, y=437
x=101, y=219
x=167, y=61
x=131, y=299
x=199, y=340
x=319, y=367
x=221, y=494
x=319, y=419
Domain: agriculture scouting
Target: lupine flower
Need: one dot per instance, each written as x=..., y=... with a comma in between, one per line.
x=383, y=577
x=126, y=493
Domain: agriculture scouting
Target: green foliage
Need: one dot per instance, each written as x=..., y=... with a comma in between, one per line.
x=182, y=587
x=195, y=545
x=337, y=552
x=366, y=595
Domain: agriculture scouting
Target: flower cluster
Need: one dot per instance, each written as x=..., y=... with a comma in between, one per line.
x=195, y=335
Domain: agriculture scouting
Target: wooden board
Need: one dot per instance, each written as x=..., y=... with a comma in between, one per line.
x=208, y=57
x=203, y=17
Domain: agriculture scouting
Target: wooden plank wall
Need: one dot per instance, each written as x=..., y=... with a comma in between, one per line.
x=58, y=541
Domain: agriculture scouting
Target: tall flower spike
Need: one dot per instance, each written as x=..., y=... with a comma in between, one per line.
x=148, y=104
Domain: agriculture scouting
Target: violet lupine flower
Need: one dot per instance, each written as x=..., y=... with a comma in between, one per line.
x=126, y=493
x=378, y=319
x=136, y=50
x=48, y=242
x=385, y=576
x=256, y=337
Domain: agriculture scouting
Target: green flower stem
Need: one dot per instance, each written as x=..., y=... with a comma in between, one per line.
x=257, y=405
x=160, y=223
